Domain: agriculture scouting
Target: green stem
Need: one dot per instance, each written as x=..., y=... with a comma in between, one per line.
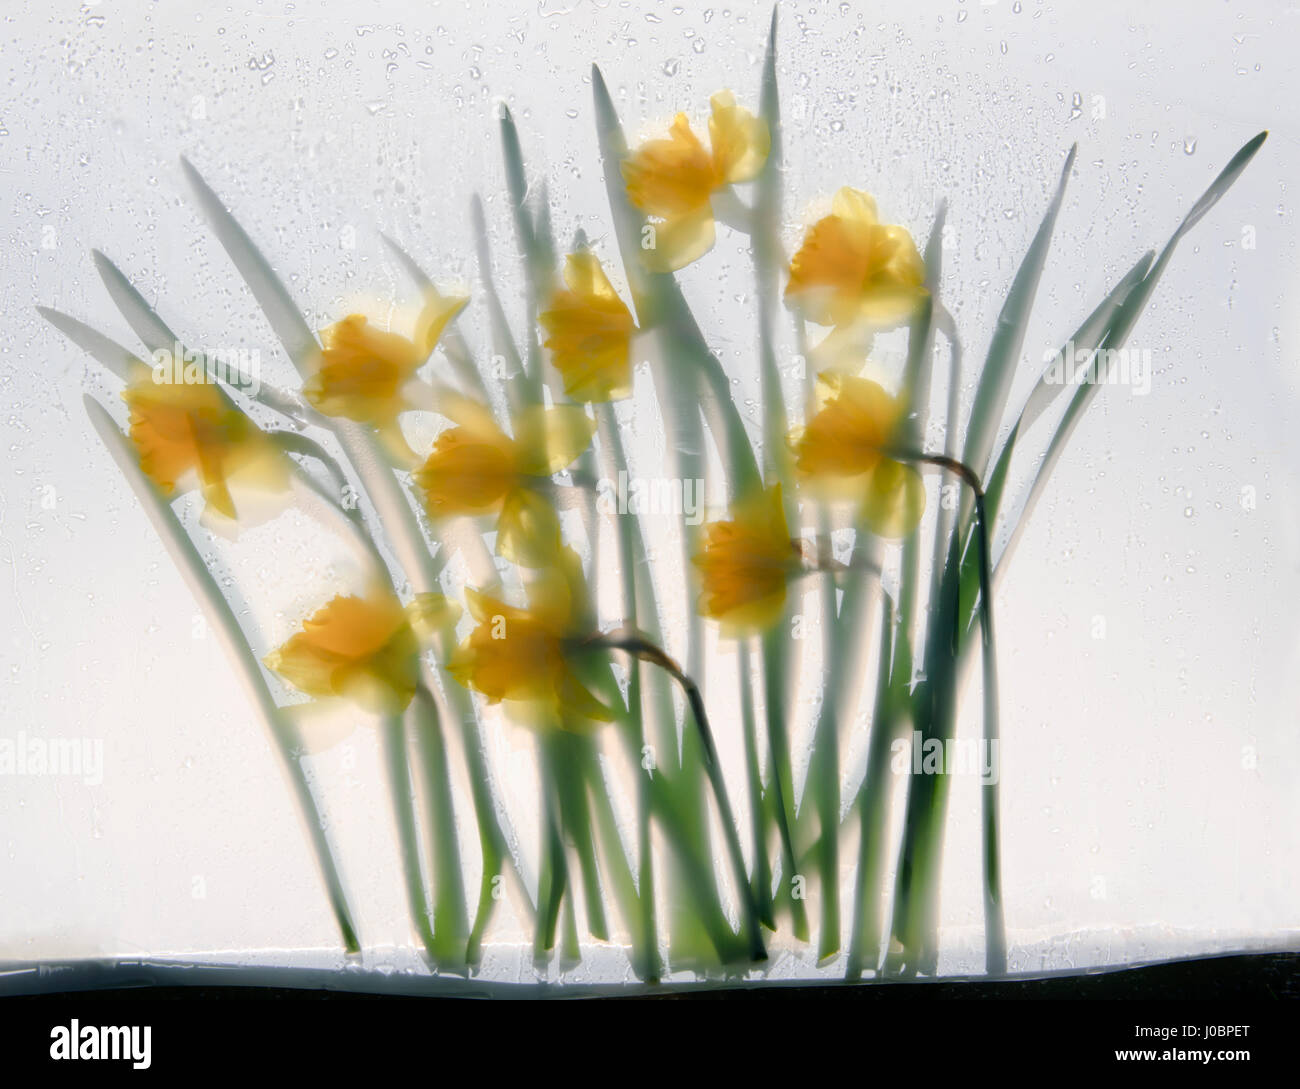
x=653, y=654
x=450, y=925
x=994, y=921
x=782, y=776
x=872, y=807
x=564, y=766
x=393, y=735
x=758, y=821
x=553, y=869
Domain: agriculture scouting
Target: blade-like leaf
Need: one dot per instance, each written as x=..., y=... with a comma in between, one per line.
x=1009, y=336
x=1125, y=319
x=272, y=296
x=1086, y=338
x=526, y=389
x=119, y=360
x=99, y=347
x=153, y=332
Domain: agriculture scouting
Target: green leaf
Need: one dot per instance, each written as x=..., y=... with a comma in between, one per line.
x=153, y=332
x=450, y=922
x=272, y=296
x=1125, y=318
x=526, y=389
x=1086, y=338
x=1009, y=336
x=109, y=352
x=157, y=336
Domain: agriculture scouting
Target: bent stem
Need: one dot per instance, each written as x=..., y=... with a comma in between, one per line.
x=995, y=934
x=648, y=652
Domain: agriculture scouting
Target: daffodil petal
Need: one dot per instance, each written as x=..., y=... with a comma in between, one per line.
x=740, y=141
x=549, y=439
x=745, y=564
x=585, y=277
x=678, y=241
x=589, y=332
x=856, y=205
x=468, y=413
x=528, y=531
x=438, y=312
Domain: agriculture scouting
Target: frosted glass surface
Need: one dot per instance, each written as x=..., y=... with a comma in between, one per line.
x=1147, y=633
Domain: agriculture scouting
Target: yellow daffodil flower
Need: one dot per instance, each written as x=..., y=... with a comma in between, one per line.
x=191, y=434
x=843, y=448
x=589, y=332
x=363, y=649
x=475, y=466
x=746, y=562
x=852, y=269
x=522, y=657
x=673, y=179
x=363, y=373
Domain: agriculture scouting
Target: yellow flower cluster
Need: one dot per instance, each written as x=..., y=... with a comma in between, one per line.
x=850, y=271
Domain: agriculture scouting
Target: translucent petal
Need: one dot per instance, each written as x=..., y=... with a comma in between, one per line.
x=678, y=241
x=740, y=141
x=551, y=438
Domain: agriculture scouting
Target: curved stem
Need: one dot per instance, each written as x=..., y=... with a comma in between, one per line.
x=649, y=652
x=995, y=936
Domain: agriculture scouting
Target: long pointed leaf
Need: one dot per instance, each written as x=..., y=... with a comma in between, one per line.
x=1009, y=336
x=272, y=296
x=1135, y=303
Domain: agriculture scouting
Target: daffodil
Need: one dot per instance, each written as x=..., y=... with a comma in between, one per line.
x=674, y=179
x=475, y=466
x=364, y=373
x=523, y=657
x=844, y=449
x=854, y=270
x=191, y=434
x=746, y=563
x=362, y=649
x=589, y=332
